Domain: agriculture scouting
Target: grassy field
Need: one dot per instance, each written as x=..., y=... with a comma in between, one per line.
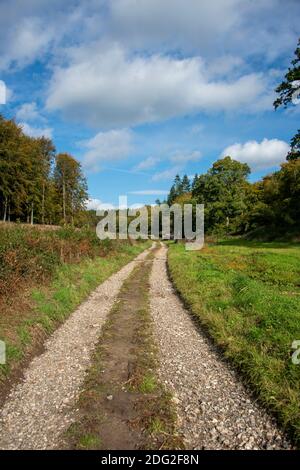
x=44, y=276
x=247, y=295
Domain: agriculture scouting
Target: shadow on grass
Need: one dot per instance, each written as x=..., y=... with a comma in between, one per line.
x=239, y=242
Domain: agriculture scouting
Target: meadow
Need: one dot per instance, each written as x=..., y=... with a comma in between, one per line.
x=246, y=295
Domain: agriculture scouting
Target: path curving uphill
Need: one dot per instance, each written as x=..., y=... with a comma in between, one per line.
x=214, y=409
x=40, y=409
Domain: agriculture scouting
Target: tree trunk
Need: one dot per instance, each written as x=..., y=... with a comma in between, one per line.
x=31, y=215
x=8, y=212
x=5, y=210
x=43, y=203
x=64, y=200
x=72, y=209
x=227, y=225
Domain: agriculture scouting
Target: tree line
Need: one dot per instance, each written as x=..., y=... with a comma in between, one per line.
x=233, y=205
x=39, y=186
x=270, y=206
x=36, y=184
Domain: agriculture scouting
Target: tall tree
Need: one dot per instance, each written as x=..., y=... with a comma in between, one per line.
x=289, y=87
x=47, y=153
x=12, y=169
x=185, y=184
x=278, y=209
x=222, y=190
x=33, y=170
x=194, y=182
x=294, y=153
x=30, y=189
x=172, y=195
x=288, y=90
x=178, y=185
x=176, y=190
x=71, y=186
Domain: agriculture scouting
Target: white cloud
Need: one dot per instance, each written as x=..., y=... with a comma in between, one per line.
x=224, y=65
x=205, y=26
x=108, y=146
x=93, y=204
x=26, y=42
x=182, y=157
x=168, y=174
x=179, y=159
x=150, y=192
x=28, y=112
x=134, y=21
x=259, y=155
x=107, y=87
x=34, y=29
x=36, y=131
x=148, y=163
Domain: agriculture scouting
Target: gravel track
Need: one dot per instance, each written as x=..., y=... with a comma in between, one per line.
x=214, y=409
x=40, y=409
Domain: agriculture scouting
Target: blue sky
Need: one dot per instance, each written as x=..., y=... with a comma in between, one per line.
x=139, y=91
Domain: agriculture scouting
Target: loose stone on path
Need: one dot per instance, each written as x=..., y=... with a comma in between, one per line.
x=40, y=409
x=215, y=411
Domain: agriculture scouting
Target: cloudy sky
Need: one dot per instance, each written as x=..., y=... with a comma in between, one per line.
x=139, y=90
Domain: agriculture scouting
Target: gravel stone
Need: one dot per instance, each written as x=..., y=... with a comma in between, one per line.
x=215, y=411
x=41, y=408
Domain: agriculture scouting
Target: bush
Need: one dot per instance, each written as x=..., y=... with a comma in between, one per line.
x=32, y=253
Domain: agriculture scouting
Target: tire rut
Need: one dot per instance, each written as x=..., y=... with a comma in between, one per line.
x=122, y=404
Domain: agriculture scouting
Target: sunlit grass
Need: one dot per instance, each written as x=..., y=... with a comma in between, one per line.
x=247, y=296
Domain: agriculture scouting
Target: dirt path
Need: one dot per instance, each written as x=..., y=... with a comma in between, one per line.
x=214, y=409
x=38, y=410
x=121, y=405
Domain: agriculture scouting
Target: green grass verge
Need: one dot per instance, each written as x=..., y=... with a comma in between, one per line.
x=52, y=303
x=247, y=296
